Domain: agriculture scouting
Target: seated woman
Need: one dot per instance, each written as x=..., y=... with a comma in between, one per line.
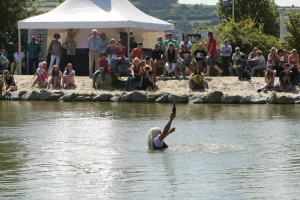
x=56, y=76
x=103, y=66
x=120, y=59
x=147, y=79
x=40, y=75
x=68, y=76
x=259, y=62
x=185, y=59
x=155, y=138
x=283, y=58
x=147, y=61
x=197, y=80
x=110, y=51
x=135, y=73
x=171, y=59
x=10, y=84
x=269, y=79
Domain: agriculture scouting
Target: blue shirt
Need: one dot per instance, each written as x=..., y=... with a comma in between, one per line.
x=2, y=58
x=94, y=43
x=226, y=48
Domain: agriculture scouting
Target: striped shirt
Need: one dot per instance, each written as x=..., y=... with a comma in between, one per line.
x=33, y=49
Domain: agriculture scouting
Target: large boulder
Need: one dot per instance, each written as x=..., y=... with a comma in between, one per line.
x=162, y=99
x=272, y=99
x=232, y=99
x=286, y=100
x=108, y=80
x=138, y=96
x=178, y=99
x=151, y=97
x=103, y=97
x=126, y=97
x=214, y=97
x=254, y=99
x=55, y=96
x=115, y=98
x=198, y=98
x=34, y=95
x=69, y=96
x=44, y=94
x=15, y=95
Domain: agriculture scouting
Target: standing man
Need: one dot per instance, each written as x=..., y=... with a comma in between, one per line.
x=170, y=39
x=70, y=45
x=226, y=52
x=211, y=47
x=132, y=43
x=94, y=44
x=33, y=49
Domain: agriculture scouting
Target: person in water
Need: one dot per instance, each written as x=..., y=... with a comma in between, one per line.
x=155, y=138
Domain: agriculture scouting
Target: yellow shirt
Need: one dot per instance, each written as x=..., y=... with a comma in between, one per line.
x=197, y=80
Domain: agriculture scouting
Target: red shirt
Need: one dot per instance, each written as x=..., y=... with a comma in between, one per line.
x=136, y=70
x=103, y=62
x=136, y=53
x=214, y=47
x=120, y=52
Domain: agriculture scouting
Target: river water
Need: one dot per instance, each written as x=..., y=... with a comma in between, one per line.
x=51, y=150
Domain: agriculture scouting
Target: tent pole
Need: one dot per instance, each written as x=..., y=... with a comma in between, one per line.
x=128, y=42
x=19, y=50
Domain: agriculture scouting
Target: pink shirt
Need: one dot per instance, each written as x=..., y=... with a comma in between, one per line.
x=119, y=52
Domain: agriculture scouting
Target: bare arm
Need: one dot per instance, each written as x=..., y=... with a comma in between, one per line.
x=167, y=129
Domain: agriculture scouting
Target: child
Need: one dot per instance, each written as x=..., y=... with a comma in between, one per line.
x=103, y=66
x=9, y=81
x=269, y=80
x=56, y=76
x=68, y=76
x=46, y=69
x=285, y=79
x=40, y=73
x=197, y=80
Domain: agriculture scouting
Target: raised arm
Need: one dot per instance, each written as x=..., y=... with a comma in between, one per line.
x=167, y=129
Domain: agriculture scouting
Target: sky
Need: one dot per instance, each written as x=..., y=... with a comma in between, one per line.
x=214, y=2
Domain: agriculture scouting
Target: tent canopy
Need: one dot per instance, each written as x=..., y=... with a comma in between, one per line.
x=95, y=14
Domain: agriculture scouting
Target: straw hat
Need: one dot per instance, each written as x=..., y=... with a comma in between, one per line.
x=136, y=59
x=147, y=66
x=273, y=48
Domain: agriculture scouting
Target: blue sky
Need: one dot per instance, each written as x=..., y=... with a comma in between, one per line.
x=214, y=2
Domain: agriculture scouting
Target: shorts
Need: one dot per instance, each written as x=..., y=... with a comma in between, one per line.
x=197, y=86
x=212, y=60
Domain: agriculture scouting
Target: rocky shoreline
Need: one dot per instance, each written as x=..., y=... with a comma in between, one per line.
x=148, y=96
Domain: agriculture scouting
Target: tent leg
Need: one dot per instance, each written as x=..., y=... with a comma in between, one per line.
x=19, y=50
x=128, y=42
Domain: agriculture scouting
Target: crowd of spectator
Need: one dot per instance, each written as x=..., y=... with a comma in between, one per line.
x=176, y=60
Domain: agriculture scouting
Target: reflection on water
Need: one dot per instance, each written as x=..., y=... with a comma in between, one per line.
x=51, y=150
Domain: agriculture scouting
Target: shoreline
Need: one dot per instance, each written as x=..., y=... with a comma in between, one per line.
x=221, y=90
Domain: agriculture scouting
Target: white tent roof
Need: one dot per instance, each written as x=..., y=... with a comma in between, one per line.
x=95, y=14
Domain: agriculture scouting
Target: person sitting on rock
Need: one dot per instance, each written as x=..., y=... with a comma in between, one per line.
x=56, y=76
x=135, y=73
x=147, y=79
x=197, y=81
x=269, y=79
x=285, y=79
x=241, y=67
x=103, y=66
x=10, y=84
x=155, y=138
x=68, y=76
x=40, y=75
x=120, y=52
x=110, y=51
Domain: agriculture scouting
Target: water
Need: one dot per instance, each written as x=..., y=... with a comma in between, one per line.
x=51, y=150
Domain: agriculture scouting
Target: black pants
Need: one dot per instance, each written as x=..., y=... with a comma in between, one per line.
x=30, y=66
x=225, y=64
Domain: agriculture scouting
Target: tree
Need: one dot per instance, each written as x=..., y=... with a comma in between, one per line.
x=246, y=35
x=11, y=12
x=292, y=40
x=264, y=12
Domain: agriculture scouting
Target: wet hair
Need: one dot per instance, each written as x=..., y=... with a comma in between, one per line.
x=53, y=72
x=152, y=134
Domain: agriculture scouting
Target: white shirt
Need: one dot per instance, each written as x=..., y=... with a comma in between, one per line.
x=261, y=60
x=188, y=45
x=157, y=142
x=40, y=71
x=16, y=56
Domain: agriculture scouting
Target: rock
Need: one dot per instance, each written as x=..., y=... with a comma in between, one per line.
x=103, y=97
x=272, y=99
x=297, y=102
x=54, y=97
x=2, y=97
x=151, y=97
x=87, y=98
x=34, y=95
x=44, y=95
x=286, y=100
x=138, y=96
x=69, y=96
x=254, y=100
x=198, y=98
x=16, y=94
x=232, y=99
x=115, y=98
x=108, y=80
x=214, y=97
x=178, y=99
x=78, y=98
x=162, y=99
x=126, y=97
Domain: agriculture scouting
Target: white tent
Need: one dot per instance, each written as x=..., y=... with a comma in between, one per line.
x=89, y=14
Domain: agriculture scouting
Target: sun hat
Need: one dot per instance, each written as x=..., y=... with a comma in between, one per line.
x=136, y=59
x=273, y=48
x=147, y=66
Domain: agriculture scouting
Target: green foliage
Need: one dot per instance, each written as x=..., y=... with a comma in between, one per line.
x=11, y=12
x=263, y=12
x=293, y=28
x=246, y=34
